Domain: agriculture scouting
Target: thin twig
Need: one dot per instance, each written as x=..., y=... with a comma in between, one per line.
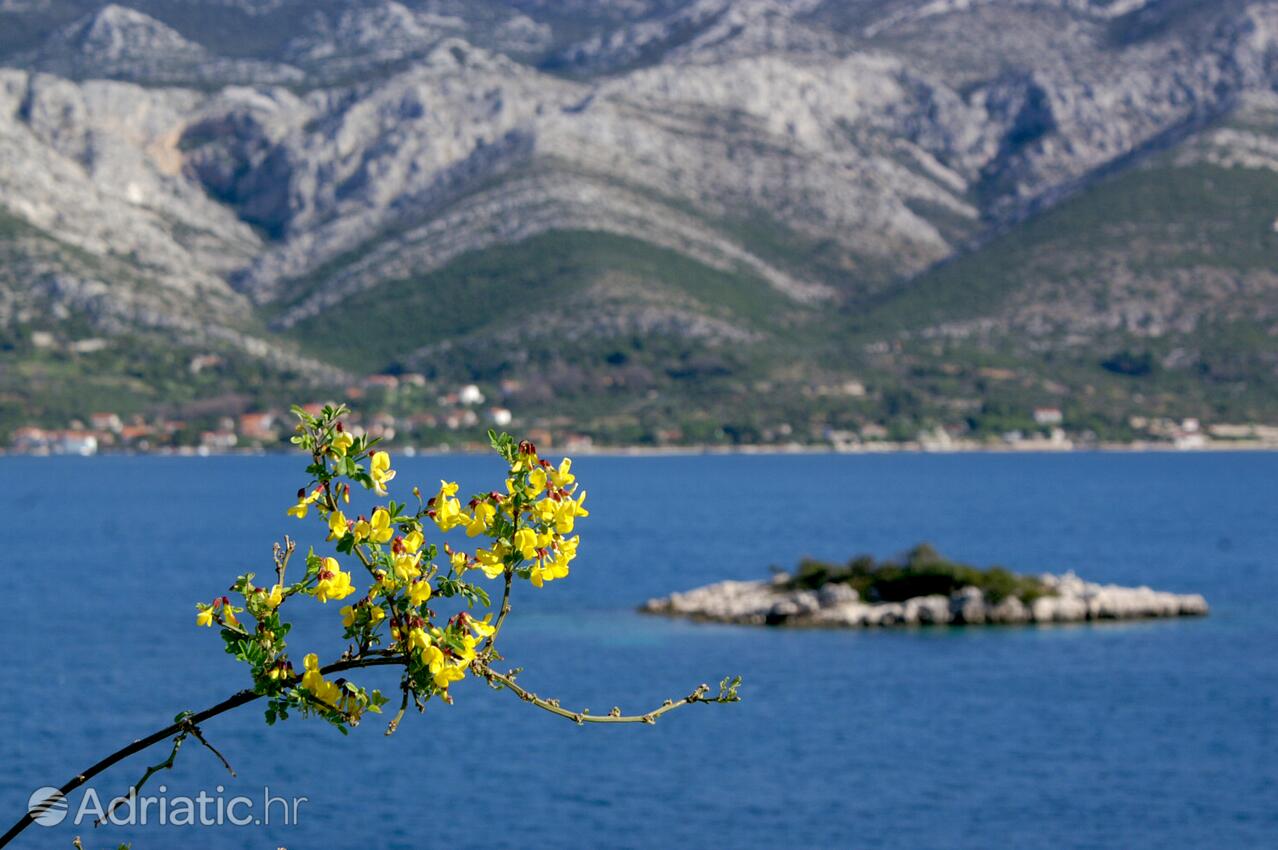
x=199, y=736
x=584, y=716
x=134, y=789
x=282, y=558
x=403, y=707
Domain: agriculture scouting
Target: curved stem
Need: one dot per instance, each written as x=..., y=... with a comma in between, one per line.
x=582, y=717
x=232, y=702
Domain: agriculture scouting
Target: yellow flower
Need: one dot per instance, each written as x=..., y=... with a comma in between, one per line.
x=468, y=649
x=536, y=482
x=561, y=477
x=448, y=513
x=381, y=530
x=492, y=562
x=380, y=471
x=526, y=542
x=376, y=615
x=448, y=674
x=546, y=510
x=204, y=618
x=485, y=513
x=337, y=526
x=413, y=541
x=361, y=529
x=418, y=639
x=432, y=657
x=228, y=615
x=557, y=567
x=568, y=512
x=275, y=597
x=407, y=566
x=315, y=682
x=548, y=570
x=333, y=584
x=483, y=628
x=304, y=503
x=341, y=443
x=418, y=593
x=348, y=616
x=458, y=561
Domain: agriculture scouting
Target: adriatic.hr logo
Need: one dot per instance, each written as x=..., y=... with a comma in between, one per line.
x=48, y=806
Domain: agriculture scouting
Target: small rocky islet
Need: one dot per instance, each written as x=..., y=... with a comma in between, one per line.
x=921, y=588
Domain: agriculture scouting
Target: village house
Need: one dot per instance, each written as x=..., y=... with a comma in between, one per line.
x=1048, y=416
x=30, y=440
x=470, y=395
x=258, y=426
x=105, y=422
x=74, y=442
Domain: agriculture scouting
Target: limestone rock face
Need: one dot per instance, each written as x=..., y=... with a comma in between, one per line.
x=339, y=149
x=1070, y=600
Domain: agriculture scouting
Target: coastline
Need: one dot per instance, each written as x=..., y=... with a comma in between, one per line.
x=1027, y=448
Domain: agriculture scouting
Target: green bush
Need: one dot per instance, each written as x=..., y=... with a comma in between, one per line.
x=922, y=571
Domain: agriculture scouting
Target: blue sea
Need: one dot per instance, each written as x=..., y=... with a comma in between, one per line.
x=1150, y=734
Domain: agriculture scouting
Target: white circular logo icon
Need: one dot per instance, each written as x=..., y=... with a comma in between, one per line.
x=48, y=806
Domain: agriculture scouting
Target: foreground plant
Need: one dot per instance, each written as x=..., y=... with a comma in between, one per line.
x=394, y=580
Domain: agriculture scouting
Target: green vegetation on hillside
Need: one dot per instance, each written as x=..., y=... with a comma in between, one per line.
x=1153, y=220
x=508, y=291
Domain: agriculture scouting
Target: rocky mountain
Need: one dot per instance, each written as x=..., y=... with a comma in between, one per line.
x=663, y=205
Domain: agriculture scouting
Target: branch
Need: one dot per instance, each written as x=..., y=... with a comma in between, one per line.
x=727, y=693
x=501, y=614
x=177, y=728
x=189, y=728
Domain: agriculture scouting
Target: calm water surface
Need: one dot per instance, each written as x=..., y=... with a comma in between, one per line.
x=1125, y=736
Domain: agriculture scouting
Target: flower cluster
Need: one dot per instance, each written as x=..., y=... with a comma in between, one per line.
x=393, y=566
x=387, y=565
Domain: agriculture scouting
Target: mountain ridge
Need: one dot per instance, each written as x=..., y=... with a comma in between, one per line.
x=829, y=159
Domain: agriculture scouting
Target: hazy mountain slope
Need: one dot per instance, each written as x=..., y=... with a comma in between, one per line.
x=1159, y=281
x=717, y=179
x=102, y=237
x=438, y=144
